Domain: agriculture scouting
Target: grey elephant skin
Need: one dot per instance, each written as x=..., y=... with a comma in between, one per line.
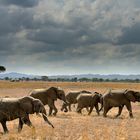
x=49, y=96
x=13, y=108
x=88, y=100
x=71, y=98
x=119, y=98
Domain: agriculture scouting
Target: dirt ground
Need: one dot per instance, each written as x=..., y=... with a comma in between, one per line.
x=73, y=126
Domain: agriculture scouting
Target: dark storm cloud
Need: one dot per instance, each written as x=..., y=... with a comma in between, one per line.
x=22, y=3
x=14, y=20
x=70, y=36
x=130, y=35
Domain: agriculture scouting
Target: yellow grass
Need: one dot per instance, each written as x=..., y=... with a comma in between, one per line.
x=72, y=126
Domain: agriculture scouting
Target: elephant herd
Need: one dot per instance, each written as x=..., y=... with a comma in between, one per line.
x=20, y=108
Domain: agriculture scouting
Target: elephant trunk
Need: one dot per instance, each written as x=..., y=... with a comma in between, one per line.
x=137, y=96
x=44, y=115
x=64, y=107
x=64, y=99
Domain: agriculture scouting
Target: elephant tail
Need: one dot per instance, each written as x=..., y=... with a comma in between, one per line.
x=46, y=119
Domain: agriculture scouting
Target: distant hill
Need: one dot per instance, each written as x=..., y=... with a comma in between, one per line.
x=17, y=75
x=111, y=76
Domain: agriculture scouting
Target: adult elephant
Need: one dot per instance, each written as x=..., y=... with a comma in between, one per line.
x=71, y=98
x=88, y=100
x=13, y=108
x=49, y=96
x=120, y=98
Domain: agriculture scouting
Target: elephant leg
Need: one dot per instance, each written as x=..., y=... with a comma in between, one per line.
x=129, y=108
x=52, y=107
x=50, y=111
x=20, y=126
x=91, y=108
x=106, y=109
x=69, y=107
x=101, y=108
x=87, y=109
x=65, y=110
x=97, y=109
x=120, y=111
x=27, y=121
x=79, y=109
x=55, y=110
x=4, y=127
x=64, y=107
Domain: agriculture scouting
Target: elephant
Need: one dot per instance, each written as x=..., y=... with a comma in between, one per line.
x=88, y=100
x=71, y=98
x=13, y=108
x=120, y=98
x=48, y=96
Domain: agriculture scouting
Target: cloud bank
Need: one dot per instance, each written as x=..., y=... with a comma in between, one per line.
x=69, y=37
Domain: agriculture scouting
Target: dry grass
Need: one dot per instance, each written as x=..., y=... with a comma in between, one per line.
x=72, y=126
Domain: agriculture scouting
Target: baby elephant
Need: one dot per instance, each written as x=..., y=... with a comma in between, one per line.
x=71, y=98
x=13, y=108
x=88, y=100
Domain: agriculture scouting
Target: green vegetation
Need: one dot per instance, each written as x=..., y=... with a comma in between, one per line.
x=75, y=79
x=2, y=69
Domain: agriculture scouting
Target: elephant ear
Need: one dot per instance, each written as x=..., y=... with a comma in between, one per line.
x=52, y=93
x=26, y=104
x=130, y=95
x=61, y=94
x=37, y=105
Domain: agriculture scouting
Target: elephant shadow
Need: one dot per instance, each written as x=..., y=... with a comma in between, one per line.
x=114, y=118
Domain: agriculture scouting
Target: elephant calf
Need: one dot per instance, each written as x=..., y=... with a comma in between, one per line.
x=71, y=98
x=13, y=108
x=120, y=98
x=88, y=100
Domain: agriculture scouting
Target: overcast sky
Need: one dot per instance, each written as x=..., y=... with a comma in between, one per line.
x=70, y=36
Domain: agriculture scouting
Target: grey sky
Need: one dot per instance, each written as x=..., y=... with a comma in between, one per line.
x=70, y=37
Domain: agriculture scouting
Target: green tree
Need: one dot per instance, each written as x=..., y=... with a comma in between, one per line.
x=74, y=79
x=2, y=69
x=6, y=78
x=44, y=78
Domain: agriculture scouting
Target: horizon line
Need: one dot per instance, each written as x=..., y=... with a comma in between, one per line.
x=67, y=74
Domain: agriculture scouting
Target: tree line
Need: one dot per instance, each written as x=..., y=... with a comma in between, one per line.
x=75, y=79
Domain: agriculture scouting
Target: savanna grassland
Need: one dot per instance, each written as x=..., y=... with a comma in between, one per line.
x=73, y=126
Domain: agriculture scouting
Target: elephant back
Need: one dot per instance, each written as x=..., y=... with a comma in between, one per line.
x=9, y=108
x=71, y=96
x=45, y=94
x=40, y=94
x=116, y=91
x=52, y=93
